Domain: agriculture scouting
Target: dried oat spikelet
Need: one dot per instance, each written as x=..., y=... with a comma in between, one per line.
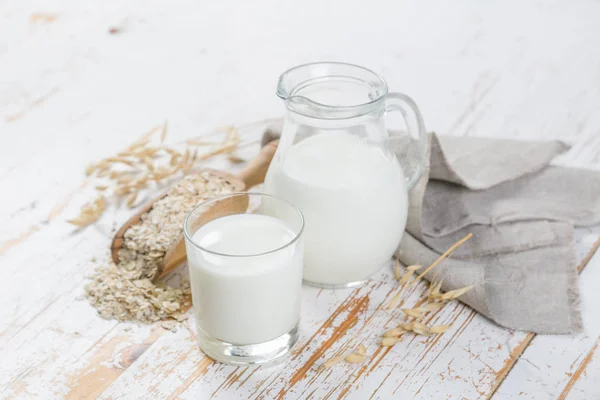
x=131, y=199
x=434, y=306
x=407, y=326
x=362, y=350
x=331, y=362
x=434, y=291
x=355, y=358
x=103, y=172
x=186, y=157
x=396, y=332
x=407, y=275
x=414, y=268
x=440, y=328
x=413, y=312
x=121, y=190
x=148, y=164
x=397, y=272
x=410, y=271
x=90, y=212
x=174, y=160
x=100, y=203
x=453, y=294
x=90, y=169
x=389, y=341
x=421, y=329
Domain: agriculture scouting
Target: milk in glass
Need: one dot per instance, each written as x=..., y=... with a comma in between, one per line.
x=246, y=282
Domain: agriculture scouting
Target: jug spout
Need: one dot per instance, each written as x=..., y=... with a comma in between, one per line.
x=284, y=86
x=331, y=90
x=289, y=87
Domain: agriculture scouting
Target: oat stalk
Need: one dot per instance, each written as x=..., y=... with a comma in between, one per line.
x=142, y=166
x=441, y=258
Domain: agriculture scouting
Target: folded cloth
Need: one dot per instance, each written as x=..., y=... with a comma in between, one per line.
x=521, y=211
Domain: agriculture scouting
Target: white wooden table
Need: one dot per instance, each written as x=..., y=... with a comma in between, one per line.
x=71, y=92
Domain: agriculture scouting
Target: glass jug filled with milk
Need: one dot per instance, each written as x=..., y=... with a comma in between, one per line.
x=350, y=177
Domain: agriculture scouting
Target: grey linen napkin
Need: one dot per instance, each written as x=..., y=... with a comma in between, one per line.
x=521, y=211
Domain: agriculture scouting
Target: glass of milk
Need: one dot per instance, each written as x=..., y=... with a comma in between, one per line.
x=246, y=276
x=344, y=164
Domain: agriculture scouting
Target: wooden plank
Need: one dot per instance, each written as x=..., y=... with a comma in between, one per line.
x=583, y=383
x=468, y=361
x=82, y=98
x=552, y=365
x=562, y=367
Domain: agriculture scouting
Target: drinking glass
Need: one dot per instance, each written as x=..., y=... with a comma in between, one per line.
x=246, y=276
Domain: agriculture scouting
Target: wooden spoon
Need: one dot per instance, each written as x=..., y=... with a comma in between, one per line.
x=252, y=175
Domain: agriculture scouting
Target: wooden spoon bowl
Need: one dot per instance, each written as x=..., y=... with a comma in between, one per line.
x=252, y=175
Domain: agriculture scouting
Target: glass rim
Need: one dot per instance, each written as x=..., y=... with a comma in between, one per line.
x=189, y=238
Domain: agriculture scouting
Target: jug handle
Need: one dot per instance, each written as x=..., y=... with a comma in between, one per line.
x=396, y=101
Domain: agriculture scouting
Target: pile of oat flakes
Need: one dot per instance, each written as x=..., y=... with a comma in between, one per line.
x=126, y=291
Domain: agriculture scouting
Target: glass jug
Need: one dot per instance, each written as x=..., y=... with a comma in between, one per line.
x=337, y=163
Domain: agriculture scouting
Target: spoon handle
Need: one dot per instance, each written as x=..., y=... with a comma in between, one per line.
x=256, y=170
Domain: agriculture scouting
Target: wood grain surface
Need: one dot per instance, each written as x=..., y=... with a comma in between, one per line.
x=80, y=80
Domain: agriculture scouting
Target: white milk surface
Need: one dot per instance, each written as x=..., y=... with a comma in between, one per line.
x=354, y=200
x=245, y=299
